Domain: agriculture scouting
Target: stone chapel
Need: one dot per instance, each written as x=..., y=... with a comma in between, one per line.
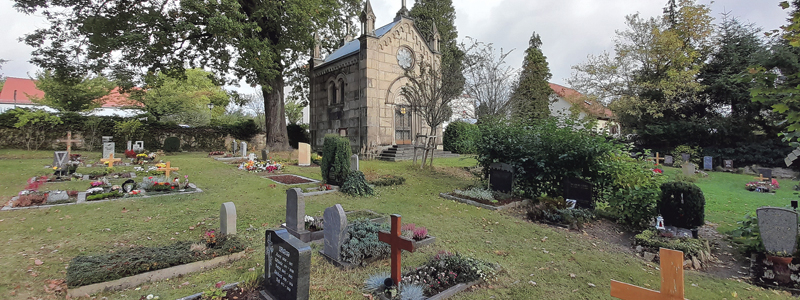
x=355, y=91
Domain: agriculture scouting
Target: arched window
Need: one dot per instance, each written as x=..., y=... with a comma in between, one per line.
x=331, y=93
x=341, y=91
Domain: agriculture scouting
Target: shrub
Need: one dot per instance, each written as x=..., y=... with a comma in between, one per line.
x=690, y=247
x=335, y=164
x=694, y=151
x=748, y=234
x=297, y=133
x=461, y=137
x=362, y=243
x=629, y=187
x=172, y=144
x=682, y=204
x=388, y=180
x=634, y=206
x=356, y=185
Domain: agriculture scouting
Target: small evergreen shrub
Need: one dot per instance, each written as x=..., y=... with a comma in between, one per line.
x=682, y=204
x=172, y=144
x=388, y=180
x=446, y=270
x=363, y=243
x=335, y=164
x=356, y=185
x=461, y=137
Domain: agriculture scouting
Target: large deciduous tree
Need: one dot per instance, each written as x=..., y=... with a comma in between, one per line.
x=72, y=93
x=250, y=40
x=532, y=91
x=442, y=14
x=488, y=79
x=183, y=100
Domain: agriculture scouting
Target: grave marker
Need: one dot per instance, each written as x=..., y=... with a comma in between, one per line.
x=579, y=190
x=295, y=210
x=110, y=161
x=685, y=157
x=688, y=169
x=69, y=142
x=287, y=267
x=398, y=243
x=227, y=218
x=335, y=231
x=778, y=227
x=304, y=154
x=244, y=148
x=501, y=177
x=234, y=147
x=671, y=281
x=130, y=146
x=766, y=173
x=108, y=148
x=138, y=146
x=264, y=154
x=669, y=160
x=60, y=159
x=354, y=162
x=107, y=139
x=708, y=163
x=728, y=163
x=657, y=158
x=251, y=157
x=54, y=196
x=167, y=170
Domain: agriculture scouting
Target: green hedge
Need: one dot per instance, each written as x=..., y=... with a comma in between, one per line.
x=461, y=137
x=335, y=164
x=89, y=269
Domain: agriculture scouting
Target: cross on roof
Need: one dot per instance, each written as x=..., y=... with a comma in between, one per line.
x=167, y=169
x=398, y=243
x=671, y=281
x=69, y=142
x=110, y=160
x=760, y=177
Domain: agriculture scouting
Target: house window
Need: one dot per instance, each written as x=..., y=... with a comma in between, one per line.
x=341, y=90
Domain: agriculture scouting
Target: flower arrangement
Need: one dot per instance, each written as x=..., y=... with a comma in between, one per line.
x=313, y=224
x=155, y=184
x=658, y=171
x=211, y=238
x=161, y=165
x=410, y=230
x=260, y=166
x=761, y=186
x=34, y=183
x=316, y=158
x=130, y=154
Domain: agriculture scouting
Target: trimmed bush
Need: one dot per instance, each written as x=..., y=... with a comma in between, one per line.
x=335, y=164
x=172, y=144
x=356, y=185
x=682, y=204
x=297, y=133
x=461, y=137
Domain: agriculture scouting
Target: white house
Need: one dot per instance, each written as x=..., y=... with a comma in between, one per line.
x=18, y=91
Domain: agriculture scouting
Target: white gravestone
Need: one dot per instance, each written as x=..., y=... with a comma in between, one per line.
x=227, y=218
x=138, y=146
x=108, y=148
x=244, y=148
x=130, y=146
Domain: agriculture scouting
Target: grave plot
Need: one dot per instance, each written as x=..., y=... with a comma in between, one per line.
x=291, y=179
x=497, y=197
x=776, y=268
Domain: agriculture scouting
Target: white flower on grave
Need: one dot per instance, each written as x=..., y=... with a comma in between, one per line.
x=94, y=190
x=150, y=297
x=309, y=218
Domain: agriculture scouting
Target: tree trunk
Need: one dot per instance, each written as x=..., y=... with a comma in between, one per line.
x=275, y=120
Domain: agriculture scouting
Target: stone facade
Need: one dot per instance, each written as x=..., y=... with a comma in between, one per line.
x=355, y=91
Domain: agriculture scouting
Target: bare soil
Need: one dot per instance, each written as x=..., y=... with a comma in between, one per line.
x=289, y=179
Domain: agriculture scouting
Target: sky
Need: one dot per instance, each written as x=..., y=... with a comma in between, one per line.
x=570, y=29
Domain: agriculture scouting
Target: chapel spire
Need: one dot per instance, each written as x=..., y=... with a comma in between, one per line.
x=435, y=39
x=368, y=20
x=403, y=12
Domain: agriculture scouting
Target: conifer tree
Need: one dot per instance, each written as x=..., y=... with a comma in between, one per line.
x=531, y=94
x=442, y=13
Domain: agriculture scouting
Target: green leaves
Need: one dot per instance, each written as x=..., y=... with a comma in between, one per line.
x=72, y=93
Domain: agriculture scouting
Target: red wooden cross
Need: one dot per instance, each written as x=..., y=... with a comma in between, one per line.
x=398, y=243
x=671, y=281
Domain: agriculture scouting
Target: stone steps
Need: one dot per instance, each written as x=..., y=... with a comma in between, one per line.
x=406, y=152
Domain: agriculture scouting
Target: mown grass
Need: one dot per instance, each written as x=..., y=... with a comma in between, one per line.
x=526, y=251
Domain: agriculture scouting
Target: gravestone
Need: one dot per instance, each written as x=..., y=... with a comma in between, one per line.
x=244, y=148
x=728, y=163
x=304, y=154
x=335, y=231
x=579, y=190
x=708, y=163
x=54, y=196
x=778, y=227
x=59, y=159
x=688, y=169
x=130, y=146
x=287, y=267
x=138, y=146
x=295, y=210
x=501, y=177
x=227, y=218
x=108, y=148
x=234, y=147
x=669, y=160
x=767, y=173
x=251, y=156
x=354, y=162
x=264, y=154
x=107, y=139
x=685, y=157
x=81, y=197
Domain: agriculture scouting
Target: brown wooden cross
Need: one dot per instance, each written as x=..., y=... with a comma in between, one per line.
x=69, y=142
x=110, y=160
x=658, y=158
x=760, y=177
x=398, y=243
x=671, y=281
x=167, y=170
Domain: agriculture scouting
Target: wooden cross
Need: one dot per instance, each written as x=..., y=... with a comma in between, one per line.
x=671, y=281
x=110, y=160
x=69, y=142
x=167, y=170
x=760, y=177
x=658, y=158
x=398, y=243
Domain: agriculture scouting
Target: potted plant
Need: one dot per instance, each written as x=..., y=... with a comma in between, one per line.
x=782, y=258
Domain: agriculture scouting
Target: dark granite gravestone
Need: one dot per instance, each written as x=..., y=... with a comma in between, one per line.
x=669, y=160
x=767, y=173
x=287, y=267
x=708, y=163
x=728, y=163
x=59, y=159
x=579, y=190
x=685, y=156
x=501, y=177
x=264, y=154
x=778, y=228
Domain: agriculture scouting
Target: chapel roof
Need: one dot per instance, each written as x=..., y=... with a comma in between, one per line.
x=587, y=105
x=354, y=46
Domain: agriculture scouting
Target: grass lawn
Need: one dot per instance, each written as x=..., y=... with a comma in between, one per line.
x=56, y=235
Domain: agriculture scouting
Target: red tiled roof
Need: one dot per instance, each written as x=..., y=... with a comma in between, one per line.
x=576, y=98
x=24, y=87
x=27, y=87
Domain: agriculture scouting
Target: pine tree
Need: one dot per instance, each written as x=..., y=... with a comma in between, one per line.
x=531, y=94
x=442, y=13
